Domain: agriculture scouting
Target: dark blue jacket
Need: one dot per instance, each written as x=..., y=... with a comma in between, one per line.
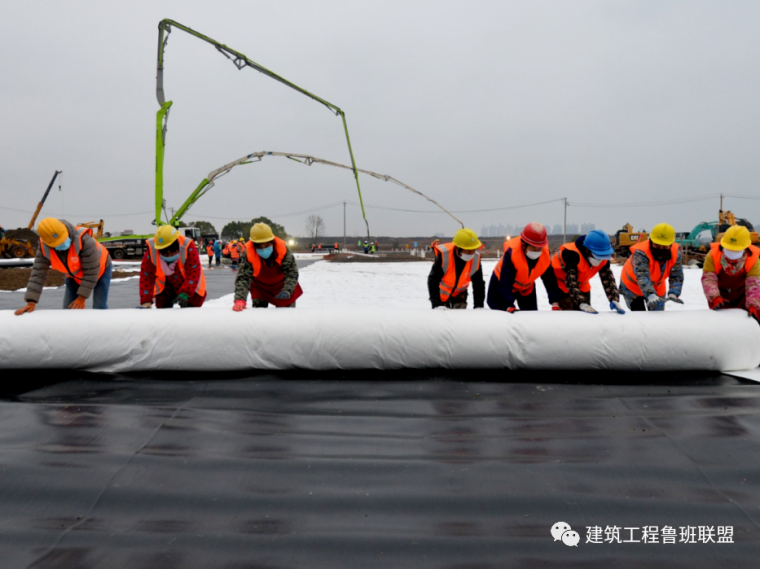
x=500, y=293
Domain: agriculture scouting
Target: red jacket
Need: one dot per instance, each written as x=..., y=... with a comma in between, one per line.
x=177, y=281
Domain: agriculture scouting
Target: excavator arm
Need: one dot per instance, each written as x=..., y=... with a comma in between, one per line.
x=240, y=61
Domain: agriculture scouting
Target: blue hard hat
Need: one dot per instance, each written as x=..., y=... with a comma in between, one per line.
x=598, y=243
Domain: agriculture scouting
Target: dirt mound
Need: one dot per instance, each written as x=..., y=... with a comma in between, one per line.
x=22, y=233
x=14, y=279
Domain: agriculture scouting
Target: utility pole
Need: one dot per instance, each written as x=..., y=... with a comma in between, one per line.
x=345, y=246
x=564, y=227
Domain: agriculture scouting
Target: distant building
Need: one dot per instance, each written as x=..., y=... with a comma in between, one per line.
x=586, y=227
x=572, y=228
x=557, y=229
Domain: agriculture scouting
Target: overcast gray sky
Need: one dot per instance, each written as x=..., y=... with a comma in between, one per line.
x=479, y=104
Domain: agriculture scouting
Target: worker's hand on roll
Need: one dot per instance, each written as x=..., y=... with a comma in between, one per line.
x=30, y=306
x=182, y=300
x=555, y=306
x=283, y=294
x=716, y=302
x=673, y=298
x=146, y=305
x=653, y=300
x=617, y=307
x=442, y=307
x=753, y=313
x=239, y=306
x=78, y=303
x=511, y=310
x=587, y=308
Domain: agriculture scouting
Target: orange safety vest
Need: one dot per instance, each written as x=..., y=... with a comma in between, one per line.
x=748, y=263
x=210, y=250
x=733, y=287
x=234, y=251
x=73, y=266
x=280, y=248
x=448, y=286
x=585, y=269
x=657, y=275
x=184, y=245
x=525, y=277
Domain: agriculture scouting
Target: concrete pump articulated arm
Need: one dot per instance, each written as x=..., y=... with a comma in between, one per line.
x=240, y=61
x=210, y=180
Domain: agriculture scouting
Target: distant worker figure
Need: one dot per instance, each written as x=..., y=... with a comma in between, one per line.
x=337, y=248
x=456, y=265
x=372, y=249
x=731, y=273
x=268, y=271
x=74, y=252
x=210, y=252
x=574, y=266
x=218, y=251
x=526, y=259
x=652, y=261
x=366, y=247
x=171, y=271
x=234, y=254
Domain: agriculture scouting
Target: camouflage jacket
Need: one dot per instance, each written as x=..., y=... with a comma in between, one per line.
x=244, y=277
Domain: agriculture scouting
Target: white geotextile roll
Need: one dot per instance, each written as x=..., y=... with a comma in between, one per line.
x=319, y=339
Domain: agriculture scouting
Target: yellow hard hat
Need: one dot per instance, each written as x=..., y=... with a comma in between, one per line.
x=165, y=236
x=466, y=239
x=52, y=231
x=737, y=238
x=261, y=233
x=663, y=234
x=241, y=239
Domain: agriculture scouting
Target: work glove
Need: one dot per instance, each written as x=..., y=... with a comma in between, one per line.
x=146, y=305
x=754, y=313
x=673, y=298
x=30, y=306
x=511, y=309
x=283, y=295
x=588, y=308
x=617, y=307
x=239, y=306
x=653, y=300
x=716, y=302
x=182, y=300
x=555, y=306
x=442, y=307
x=78, y=303
x=478, y=308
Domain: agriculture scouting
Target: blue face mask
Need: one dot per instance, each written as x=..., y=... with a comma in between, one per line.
x=266, y=252
x=65, y=245
x=170, y=259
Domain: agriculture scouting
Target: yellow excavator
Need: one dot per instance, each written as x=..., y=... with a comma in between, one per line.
x=627, y=237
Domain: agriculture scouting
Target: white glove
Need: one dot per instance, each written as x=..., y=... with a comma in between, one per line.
x=588, y=308
x=653, y=300
x=146, y=305
x=673, y=298
x=617, y=307
x=440, y=308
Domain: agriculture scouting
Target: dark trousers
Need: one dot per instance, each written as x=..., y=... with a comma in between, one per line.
x=527, y=302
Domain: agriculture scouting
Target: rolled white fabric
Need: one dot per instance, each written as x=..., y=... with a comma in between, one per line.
x=319, y=339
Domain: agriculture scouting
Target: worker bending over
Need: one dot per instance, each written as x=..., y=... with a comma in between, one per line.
x=731, y=273
x=268, y=271
x=652, y=261
x=456, y=265
x=171, y=271
x=574, y=266
x=74, y=252
x=525, y=259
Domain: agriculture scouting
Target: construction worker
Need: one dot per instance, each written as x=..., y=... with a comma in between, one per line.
x=217, y=251
x=456, y=265
x=574, y=266
x=74, y=252
x=268, y=271
x=652, y=261
x=210, y=251
x=731, y=273
x=234, y=254
x=525, y=259
x=366, y=247
x=171, y=271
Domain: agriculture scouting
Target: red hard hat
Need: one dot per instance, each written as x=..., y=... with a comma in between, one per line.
x=534, y=234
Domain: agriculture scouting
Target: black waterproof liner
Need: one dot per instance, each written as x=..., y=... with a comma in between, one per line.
x=375, y=470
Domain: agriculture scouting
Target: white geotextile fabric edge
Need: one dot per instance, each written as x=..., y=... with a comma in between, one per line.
x=319, y=339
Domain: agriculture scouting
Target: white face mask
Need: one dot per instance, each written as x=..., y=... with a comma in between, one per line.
x=467, y=256
x=533, y=254
x=595, y=262
x=733, y=255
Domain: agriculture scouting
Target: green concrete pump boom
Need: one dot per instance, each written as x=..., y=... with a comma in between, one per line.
x=240, y=61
